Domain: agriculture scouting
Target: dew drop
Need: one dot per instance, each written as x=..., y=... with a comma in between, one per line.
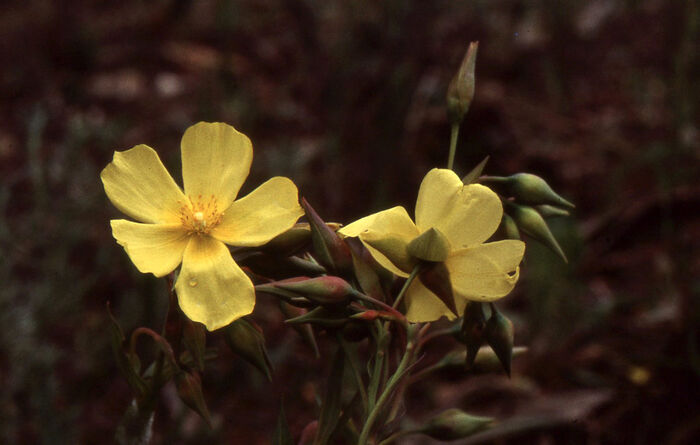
x=192, y=282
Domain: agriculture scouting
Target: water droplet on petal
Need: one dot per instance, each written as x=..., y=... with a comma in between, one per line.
x=192, y=282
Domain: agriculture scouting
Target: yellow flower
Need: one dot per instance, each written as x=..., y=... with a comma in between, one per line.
x=465, y=216
x=192, y=227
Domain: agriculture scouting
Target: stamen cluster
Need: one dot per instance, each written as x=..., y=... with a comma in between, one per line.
x=201, y=215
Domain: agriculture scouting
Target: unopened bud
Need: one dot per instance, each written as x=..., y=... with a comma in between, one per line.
x=455, y=424
x=292, y=240
x=431, y=245
x=527, y=188
x=326, y=290
x=508, y=228
x=189, y=388
x=499, y=335
x=460, y=93
x=333, y=253
x=532, y=223
x=246, y=340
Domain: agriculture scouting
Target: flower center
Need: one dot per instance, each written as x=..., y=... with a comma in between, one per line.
x=201, y=215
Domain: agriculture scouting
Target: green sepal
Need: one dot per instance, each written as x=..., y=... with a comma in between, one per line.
x=472, y=333
x=246, y=339
x=436, y=277
x=430, y=245
x=475, y=173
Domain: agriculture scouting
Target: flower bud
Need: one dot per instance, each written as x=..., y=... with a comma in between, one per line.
x=326, y=290
x=454, y=424
x=331, y=250
x=246, y=340
x=292, y=240
x=461, y=90
x=508, y=228
x=189, y=389
x=527, y=188
x=431, y=245
x=499, y=335
x=532, y=223
x=436, y=278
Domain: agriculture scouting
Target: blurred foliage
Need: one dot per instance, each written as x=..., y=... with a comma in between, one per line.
x=347, y=98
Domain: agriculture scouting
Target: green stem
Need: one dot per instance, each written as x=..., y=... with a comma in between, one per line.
x=378, y=365
x=386, y=394
x=410, y=279
x=454, y=134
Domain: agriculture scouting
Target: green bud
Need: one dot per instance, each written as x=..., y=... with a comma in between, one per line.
x=431, y=245
x=436, y=277
x=461, y=90
x=189, y=388
x=472, y=334
x=292, y=240
x=326, y=290
x=508, y=228
x=333, y=253
x=454, y=424
x=246, y=340
x=548, y=211
x=499, y=335
x=532, y=224
x=527, y=188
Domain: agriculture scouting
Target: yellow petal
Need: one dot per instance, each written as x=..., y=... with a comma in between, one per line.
x=423, y=306
x=211, y=288
x=386, y=235
x=138, y=184
x=466, y=215
x=153, y=248
x=215, y=161
x=267, y=211
x=486, y=272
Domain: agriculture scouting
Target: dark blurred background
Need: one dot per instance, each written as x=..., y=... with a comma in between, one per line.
x=347, y=98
